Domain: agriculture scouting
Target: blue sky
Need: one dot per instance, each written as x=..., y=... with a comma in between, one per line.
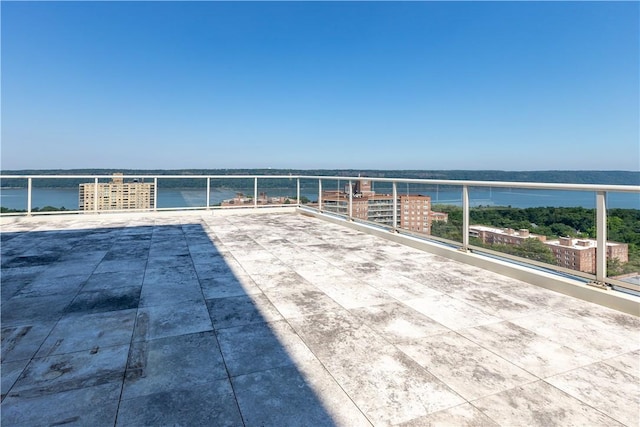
x=369, y=85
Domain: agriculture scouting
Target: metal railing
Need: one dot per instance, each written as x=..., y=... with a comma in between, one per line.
x=344, y=204
x=95, y=180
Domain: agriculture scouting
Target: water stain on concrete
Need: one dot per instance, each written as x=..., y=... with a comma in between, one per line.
x=105, y=300
x=30, y=260
x=11, y=337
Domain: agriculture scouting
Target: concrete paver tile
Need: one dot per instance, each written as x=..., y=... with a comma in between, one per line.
x=465, y=415
x=467, y=368
x=171, y=319
x=89, y=332
x=70, y=371
x=105, y=300
x=23, y=341
x=526, y=349
x=87, y=406
x=164, y=364
x=540, y=404
x=451, y=312
x=605, y=388
x=398, y=323
x=241, y=310
x=274, y=398
x=261, y=346
x=211, y=404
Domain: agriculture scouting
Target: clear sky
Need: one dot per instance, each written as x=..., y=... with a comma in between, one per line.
x=369, y=85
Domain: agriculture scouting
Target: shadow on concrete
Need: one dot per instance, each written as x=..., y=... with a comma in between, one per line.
x=148, y=325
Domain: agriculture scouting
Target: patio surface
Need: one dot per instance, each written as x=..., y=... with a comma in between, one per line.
x=279, y=319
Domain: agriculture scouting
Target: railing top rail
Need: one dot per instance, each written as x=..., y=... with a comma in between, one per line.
x=496, y=184
x=146, y=176
x=506, y=184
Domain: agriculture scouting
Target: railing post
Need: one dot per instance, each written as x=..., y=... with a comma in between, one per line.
x=95, y=195
x=298, y=191
x=155, y=193
x=601, y=233
x=255, y=192
x=465, y=218
x=394, y=227
x=350, y=202
x=29, y=188
x=319, y=195
x=208, y=190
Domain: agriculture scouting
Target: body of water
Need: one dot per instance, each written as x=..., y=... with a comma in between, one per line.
x=175, y=198
x=16, y=198
x=526, y=198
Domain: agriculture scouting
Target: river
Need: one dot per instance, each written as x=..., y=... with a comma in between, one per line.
x=13, y=198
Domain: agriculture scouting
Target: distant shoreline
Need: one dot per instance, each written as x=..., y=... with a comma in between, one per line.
x=600, y=177
x=274, y=171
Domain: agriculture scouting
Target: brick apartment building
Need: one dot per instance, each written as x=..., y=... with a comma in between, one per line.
x=580, y=254
x=413, y=210
x=574, y=254
x=502, y=236
x=116, y=195
x=415, y=213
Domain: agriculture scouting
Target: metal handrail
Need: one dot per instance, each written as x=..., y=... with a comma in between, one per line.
x=450, y=182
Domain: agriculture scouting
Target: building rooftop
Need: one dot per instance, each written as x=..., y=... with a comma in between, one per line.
x=280, y=319
x=579, y=243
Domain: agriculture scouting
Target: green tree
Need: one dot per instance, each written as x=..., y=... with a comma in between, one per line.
x=446, y=230
x=9, y=210
x=536, y=250
x=614, y=267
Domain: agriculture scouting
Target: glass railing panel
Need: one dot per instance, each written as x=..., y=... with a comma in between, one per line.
x=55, y=194
x=335, y=196
x=527, y=197
x=54, y=199
x=554, y=228
x=381, y=187
x=230, y=192
x=623, y=236
x=446, y=212
x=117, y=193
x=309, y=192
x=372, y=202
x=414, y=201
x=13, y=195
x=277, y=191
x=181, y=193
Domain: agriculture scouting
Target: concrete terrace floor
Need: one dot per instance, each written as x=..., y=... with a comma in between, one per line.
x=279, y=319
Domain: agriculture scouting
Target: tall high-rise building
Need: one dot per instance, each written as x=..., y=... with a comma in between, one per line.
x=116, y=195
